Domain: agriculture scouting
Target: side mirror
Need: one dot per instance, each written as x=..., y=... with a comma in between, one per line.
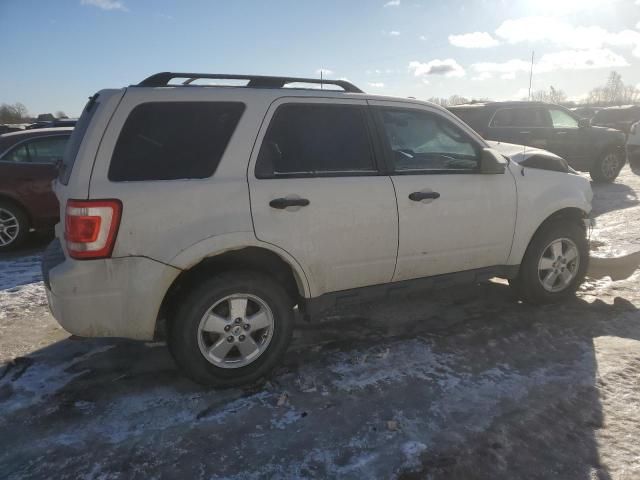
x=584, y=123
x=491, y=162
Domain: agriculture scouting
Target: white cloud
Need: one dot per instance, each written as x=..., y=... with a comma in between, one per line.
x=448, y=67
x=473, y=40
x=563, y=34
x=376, y=84
x=106, y=4
x=324, y=71
x=424, y=37
x=482, y=76
x=392, y=3
x=394, y=33
x=549, y=62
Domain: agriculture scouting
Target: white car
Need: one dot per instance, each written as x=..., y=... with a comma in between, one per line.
x=204, y=214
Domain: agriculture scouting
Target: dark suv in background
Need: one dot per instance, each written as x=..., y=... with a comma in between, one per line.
x=597, y=150
x=620, y=118
x=27, y=167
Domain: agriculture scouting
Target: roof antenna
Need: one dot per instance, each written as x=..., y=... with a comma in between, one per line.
x=531, y=73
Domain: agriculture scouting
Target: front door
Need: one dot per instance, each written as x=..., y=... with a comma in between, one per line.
x=452, y=218
x=316, y=192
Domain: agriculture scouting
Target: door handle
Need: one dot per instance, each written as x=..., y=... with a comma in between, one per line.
x=561, y=133
x=418, y=196
x=282, y=203
x=525, y=133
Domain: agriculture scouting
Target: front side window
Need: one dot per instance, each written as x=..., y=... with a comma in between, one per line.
x=173, y=140
x=519, y=117
x=561, y=119
x=316, y=140
x=19, y=154
x=40, y=150
x=423, y=141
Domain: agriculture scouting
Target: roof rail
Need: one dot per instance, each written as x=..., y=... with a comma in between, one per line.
x=162, y=79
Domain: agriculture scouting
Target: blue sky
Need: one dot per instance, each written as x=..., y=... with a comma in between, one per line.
x=57, y=53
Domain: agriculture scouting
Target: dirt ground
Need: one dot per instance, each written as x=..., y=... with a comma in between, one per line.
x=453, y=384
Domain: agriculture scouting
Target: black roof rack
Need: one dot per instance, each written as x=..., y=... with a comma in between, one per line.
x=162, y=79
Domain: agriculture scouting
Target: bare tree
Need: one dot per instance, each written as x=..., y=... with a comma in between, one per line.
x=614, y=92
x=553, y=95
x=16, y=113
x=60, y=114
x=452, y=100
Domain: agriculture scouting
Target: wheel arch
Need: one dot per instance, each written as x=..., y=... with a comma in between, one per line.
x=249, y=257
x=569, y=214
x=14, y=201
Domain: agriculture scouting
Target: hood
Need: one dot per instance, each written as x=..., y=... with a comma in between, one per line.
x=531, y=157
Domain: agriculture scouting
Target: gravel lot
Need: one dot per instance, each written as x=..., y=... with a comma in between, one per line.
x=454, y=384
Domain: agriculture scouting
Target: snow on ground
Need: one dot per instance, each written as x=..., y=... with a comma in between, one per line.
x=451, y=384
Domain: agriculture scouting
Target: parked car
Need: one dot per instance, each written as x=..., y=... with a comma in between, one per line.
x=585, y=112
x=620, y=118
x=204, y=214
x=599, y=151
x=633, y=145
x=57, y=122
x=27, y=167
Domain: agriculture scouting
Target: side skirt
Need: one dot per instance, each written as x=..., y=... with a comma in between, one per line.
x=312, y=307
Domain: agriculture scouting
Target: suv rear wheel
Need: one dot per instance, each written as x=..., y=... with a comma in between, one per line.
x=554, y=264
x=233, y=329
x=607, y=167
x=14, y=226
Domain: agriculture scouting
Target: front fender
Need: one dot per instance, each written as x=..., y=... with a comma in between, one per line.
x=540, y=195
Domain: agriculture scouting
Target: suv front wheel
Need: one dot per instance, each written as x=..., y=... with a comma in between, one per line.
x=607, y=167
x=554, y=264
x=231, y=330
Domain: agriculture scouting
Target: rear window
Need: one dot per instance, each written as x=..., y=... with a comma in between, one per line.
x=173, y=140
x=73, y=145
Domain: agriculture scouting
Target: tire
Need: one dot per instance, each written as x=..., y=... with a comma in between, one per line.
x=607, y=167
x=14, y=226
x=529, y=285
x=198, y=343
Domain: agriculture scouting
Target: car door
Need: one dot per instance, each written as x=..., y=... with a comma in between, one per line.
x=32, y=167
x=451, y=217
x=317, y=192
x=565, y=137
x=522, y=125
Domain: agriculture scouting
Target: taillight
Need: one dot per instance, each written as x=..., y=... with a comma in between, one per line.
x=91, y=227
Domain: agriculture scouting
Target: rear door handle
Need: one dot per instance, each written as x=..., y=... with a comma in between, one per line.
x=525, y=133
x=419, y=196
x=282, y=203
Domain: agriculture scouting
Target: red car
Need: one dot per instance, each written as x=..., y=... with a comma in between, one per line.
x=27, y=167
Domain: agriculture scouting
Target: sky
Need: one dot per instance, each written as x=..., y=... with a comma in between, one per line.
x=55, y=54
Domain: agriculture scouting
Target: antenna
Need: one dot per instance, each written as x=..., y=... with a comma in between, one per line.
x=321, y=85
x=531, y=73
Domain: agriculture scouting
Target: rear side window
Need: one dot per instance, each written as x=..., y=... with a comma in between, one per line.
x=519, y=117
x=316, y=140
x=173, y=140
x=475, y=117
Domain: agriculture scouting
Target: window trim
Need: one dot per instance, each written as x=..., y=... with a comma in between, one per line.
x=26, y=140
x=374, y=145
x=190, y=179
x=388, y=151
x=546, y=111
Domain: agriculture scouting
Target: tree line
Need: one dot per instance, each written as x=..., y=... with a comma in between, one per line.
x=613, y=92
x=18, y=113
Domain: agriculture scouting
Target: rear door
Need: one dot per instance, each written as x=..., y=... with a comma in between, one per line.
x=522, y=125
x=452, y=218
x=317, y=192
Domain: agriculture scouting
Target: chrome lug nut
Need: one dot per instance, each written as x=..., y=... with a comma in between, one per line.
x=241, y=338
x=229, y=339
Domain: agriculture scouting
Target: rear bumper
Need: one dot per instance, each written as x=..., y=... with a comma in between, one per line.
x=117, y=297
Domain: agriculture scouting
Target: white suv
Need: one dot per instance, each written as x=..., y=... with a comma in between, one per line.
x=204, y=214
